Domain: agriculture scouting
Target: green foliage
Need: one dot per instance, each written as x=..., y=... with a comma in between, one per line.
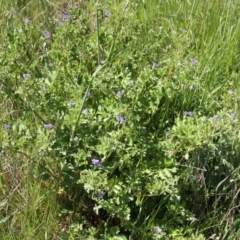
x=119, y=120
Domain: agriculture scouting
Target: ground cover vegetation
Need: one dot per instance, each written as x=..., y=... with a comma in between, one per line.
x=119, y=119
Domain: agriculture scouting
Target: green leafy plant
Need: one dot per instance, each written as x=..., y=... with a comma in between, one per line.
x=119, y=120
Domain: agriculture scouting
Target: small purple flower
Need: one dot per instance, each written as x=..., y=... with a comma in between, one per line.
x=45, y=89
x=26, y=75
x=47, y=35
x=66, y=16
x=168, y=133
x=188, y=113
x=27, y=20
x=131, y=83
x=84, y=111
x=144, y=131
x=6, y=126
x=107, y=14
x=120, y=93
x=233, y=115
x=155, y=65
x=96, y=162
x=158, y=230
x=183, y=31
x=216, y=118
x=120, y=119
x=48, y=126
x=101, y=194
x=89, y=94
x=102, y=62
x=233, y=91
x=111, y=69
x=75, y=139
x=194, y=61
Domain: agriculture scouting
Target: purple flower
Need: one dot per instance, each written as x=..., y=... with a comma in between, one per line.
x=27, y=20
x=234, y=115
x=188, y=113
x=155, y=65
x=6, y=126
x=48, y=126
x=183, y=31
x=84, y=111
x=101, y=194
x=96, y=162
x=216, y=118
x=131, y=84
x=75, y=139
x=81, y=54
x=120, y=119
x=111, y=69
x=194, y=61
x=168, y=133
x=26, y=75
x=233, y=91
x=66, y=16
x=47, y=35
x=107, y=14
x=45, y=89
x=158, y=230
x=120, y=93
x=144, y=131
x=89, y=94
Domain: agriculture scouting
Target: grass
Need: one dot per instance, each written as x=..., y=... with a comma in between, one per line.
x=65, y=78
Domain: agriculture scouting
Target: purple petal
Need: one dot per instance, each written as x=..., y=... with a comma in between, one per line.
x=233, y=91
x=131, y=84
x=65, y=16
x=75, y=139
x=120, y=119
x=47, y=35
x=120, y=93
x=101, y=194
x=158, y=230
x=96, y=162
x=234, y=115
x=27, y=20
x=6, y=126
x=26, y=75
x=84, y=111
x=107, y=14
x=194, y=61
